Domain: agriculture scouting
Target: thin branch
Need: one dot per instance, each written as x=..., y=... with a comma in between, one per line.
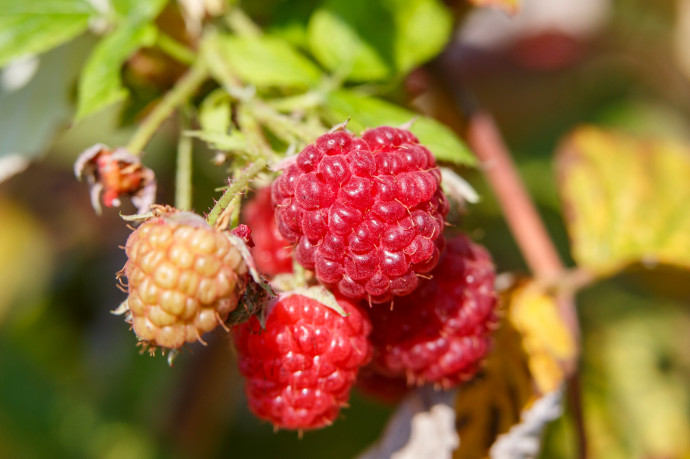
x=183, y=90
x=235, y=187
x=183, y=173
x=524, y=221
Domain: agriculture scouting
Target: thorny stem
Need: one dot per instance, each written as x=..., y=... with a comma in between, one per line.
x=523, y=219
x=533, y=240
x=183, y=173
x=183, y=90
x=527, y=228
x=237, y=186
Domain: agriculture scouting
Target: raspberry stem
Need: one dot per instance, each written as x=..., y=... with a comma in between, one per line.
x=183, y=90
x=183, y=173
x=236, y=187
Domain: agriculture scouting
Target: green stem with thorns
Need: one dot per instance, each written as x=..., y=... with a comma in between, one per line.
x=237, y=186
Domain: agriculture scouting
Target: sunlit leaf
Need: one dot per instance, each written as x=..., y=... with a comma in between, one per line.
x=266, y=61
x=367, y=40
x=517, y=392
x=32, y=27
x=214, y=112
x=545, y=337
x=138, y=10
x=33, y=112
x=626, y=200
x=368, y=112
x=101, y=83
x=221, y=140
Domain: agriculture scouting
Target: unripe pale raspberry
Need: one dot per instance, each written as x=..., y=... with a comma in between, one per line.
x=184, y=277
x=272, y=253
x=367, y=214
x=301, y=367
x=440, y=333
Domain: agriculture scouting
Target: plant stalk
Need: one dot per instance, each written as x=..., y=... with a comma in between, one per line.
x=183, y=173
x=183, y=90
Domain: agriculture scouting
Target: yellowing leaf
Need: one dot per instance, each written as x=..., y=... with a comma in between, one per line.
x=545, y=337
x=626, y=200
x=518, y=391
x=509, y=6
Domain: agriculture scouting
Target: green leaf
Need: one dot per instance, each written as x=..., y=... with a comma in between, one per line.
x=368, y=112
x=220, y=140
x=138, y=10
x=101, y=83
x=33, y=113
x=267, y=62
x=625, y=199
x=32, y=27
x=215, y=111
x=368, y=40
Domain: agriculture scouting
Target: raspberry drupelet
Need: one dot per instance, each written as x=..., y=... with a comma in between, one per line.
x=301, y=367
x=366, y=214
x=440, y=333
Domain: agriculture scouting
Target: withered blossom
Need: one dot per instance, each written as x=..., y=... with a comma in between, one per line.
x=114, y=173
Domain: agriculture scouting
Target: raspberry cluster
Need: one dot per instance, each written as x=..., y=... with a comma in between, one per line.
x=366, y=214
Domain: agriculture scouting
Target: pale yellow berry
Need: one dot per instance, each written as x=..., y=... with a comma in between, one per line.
x=184, y=278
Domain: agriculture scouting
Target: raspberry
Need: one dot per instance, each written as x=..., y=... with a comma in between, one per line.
x=271, y=252
x=184, y=278
x=366, y=213
x=440, y=333
x=301, y=367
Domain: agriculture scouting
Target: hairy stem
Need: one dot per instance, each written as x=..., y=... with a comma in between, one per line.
x=183, y=174
x=237, y=186
x=183, y=90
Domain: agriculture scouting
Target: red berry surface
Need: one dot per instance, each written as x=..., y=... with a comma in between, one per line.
x=367, y=214
x=272, y=253
x=440, y=333
x=301, y=367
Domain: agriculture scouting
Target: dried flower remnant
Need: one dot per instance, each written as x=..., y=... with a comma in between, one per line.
x=114, y=173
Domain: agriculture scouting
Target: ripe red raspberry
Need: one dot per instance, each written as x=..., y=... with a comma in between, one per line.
x=184, y=278
x=440, y=333
x=272, y=253
x=301, y=367
x=366, y=214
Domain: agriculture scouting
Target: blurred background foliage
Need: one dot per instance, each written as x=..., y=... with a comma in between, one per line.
x=71, y=381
